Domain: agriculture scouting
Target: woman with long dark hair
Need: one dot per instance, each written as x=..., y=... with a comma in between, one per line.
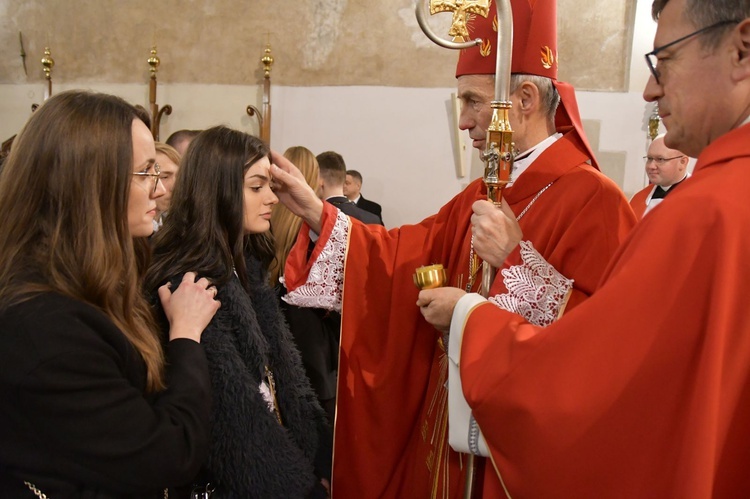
x=92, y=404
x=268, y=431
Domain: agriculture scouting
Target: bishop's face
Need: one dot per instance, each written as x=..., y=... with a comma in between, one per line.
x=475, y=92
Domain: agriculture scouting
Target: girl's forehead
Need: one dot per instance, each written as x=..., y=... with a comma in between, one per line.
x=260, y=167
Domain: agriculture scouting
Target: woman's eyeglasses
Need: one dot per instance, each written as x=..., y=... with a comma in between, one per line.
x=156, y=175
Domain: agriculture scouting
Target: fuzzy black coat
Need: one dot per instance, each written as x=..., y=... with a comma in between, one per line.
x=251, y=454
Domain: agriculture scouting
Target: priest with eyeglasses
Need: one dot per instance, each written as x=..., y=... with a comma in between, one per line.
x=666, y=169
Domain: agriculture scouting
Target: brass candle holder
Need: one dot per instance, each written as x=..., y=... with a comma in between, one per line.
x=156, y=113
x=430, y=277
x=264, y=118
x=653, y=123
x=47, y=64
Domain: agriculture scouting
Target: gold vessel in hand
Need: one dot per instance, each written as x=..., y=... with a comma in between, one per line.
x=430, y=276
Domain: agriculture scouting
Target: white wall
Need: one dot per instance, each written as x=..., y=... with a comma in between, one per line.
x=400, y=139
x=643, y=42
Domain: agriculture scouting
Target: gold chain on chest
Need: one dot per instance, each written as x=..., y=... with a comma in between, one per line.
x=474, y=259
x=37, y=492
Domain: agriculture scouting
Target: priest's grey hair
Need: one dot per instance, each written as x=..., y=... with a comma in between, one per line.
x=548, y=94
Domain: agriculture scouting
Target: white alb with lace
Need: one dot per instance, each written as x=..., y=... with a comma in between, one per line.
x=536, y=290
x=325, y=283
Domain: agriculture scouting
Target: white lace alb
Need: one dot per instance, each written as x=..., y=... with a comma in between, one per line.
x=536, y=290
x=325, y=283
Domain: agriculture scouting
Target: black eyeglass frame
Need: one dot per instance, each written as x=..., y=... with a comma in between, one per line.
x=156, y=175
x=661, y=161
x=652, y=63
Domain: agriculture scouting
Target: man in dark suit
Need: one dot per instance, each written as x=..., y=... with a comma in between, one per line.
x=352, y=188
x=331, y=189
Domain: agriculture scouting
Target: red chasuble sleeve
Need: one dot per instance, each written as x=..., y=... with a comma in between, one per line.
x=643, y=390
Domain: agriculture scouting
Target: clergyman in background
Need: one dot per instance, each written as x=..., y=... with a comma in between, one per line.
x=666, y=169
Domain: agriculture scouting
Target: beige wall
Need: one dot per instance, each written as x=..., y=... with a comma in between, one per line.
x=315, y=42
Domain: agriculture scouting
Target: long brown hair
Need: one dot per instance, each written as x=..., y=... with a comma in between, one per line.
x=64, y=199
x=285, y=224
x=204, y=230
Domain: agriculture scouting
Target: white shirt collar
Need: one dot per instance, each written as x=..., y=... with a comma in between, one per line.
x=522, y=165
x=651, y=202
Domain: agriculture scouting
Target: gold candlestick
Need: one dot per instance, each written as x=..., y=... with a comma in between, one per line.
x=653, y=123
x=267, y=61
x=47, y=64
x=156, y=113
x=264, y=118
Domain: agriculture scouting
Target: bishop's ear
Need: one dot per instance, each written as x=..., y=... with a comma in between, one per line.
x=528, y=94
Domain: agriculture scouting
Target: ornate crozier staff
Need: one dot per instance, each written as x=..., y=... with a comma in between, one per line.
x=498, y=157
x=156, y=113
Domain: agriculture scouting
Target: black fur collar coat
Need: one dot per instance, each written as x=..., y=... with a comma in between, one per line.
x=251, y=455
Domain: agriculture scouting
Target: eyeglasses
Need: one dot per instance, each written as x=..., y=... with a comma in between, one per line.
x=653, y=61
x=660, y=161
x=155, y=175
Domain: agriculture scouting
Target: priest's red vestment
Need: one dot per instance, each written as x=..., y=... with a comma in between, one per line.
x=639, y=201
x=644, y=389
x=391, y=423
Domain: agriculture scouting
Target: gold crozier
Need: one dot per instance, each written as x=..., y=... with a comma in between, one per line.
x=460, y=8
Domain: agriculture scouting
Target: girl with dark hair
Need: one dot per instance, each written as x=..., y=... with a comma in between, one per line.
x=92, y=404
x=269, y=435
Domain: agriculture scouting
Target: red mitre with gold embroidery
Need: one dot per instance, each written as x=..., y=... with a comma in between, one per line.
x=534, y=52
